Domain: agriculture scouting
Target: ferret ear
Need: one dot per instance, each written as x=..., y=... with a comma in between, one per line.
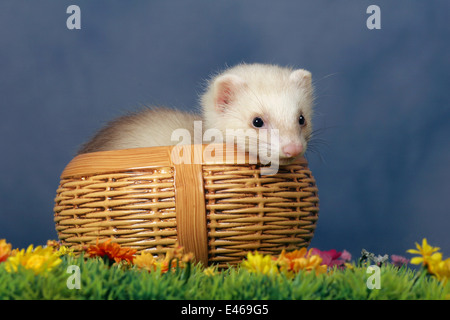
x=225, y=89
x=301, y=77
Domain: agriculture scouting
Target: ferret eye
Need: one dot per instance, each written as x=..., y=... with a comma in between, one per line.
x=302, y=121
x=258, y=122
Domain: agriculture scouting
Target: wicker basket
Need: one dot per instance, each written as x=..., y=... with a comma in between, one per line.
x=143, y=199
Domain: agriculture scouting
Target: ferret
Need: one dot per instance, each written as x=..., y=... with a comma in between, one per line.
x=247, y=96
x=149, y=127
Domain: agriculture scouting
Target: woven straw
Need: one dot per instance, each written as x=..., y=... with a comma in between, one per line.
x=143, y=199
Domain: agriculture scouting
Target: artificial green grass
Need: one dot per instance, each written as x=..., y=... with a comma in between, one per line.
x=101, y=281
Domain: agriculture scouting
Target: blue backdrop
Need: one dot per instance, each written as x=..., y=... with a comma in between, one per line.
x=383, y=105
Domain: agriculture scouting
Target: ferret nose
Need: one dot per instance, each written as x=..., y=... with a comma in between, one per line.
x=292, y=149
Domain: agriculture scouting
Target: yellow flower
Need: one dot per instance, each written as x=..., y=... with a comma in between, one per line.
x=425, y=251
x=432, y=260
x=210, y=271
x=5, y=250
x=38, y=260
x=259, y=263
x=439, y=268
x=60, y=249
x=63, y=250
x=146, y=261
x=349, y=266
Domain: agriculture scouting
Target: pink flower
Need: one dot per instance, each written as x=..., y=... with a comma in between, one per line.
x=332, y=257
x=346, y=256
x=399, y=261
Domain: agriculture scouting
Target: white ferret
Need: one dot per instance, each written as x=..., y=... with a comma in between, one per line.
x=247, y=96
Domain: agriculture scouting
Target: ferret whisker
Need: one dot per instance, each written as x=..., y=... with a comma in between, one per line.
x=325, y=77
x=315, y=139
x=256, y=98
x=308, y=153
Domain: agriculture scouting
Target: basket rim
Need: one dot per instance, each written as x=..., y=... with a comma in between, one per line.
x=154, y=157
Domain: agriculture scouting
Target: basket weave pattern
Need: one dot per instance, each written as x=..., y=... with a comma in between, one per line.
x=143, y=200
x=136, y=208
x=247, y=211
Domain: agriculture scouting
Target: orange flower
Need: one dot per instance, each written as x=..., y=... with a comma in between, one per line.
x=296, y=254
x=178, y=254
x=176, y=257
x=5, y=250
x=312, y=263
x=293, y=262
x=53, y=244
x=113, y=251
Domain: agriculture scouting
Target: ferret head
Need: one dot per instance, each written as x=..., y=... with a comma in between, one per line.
x=260, y=97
